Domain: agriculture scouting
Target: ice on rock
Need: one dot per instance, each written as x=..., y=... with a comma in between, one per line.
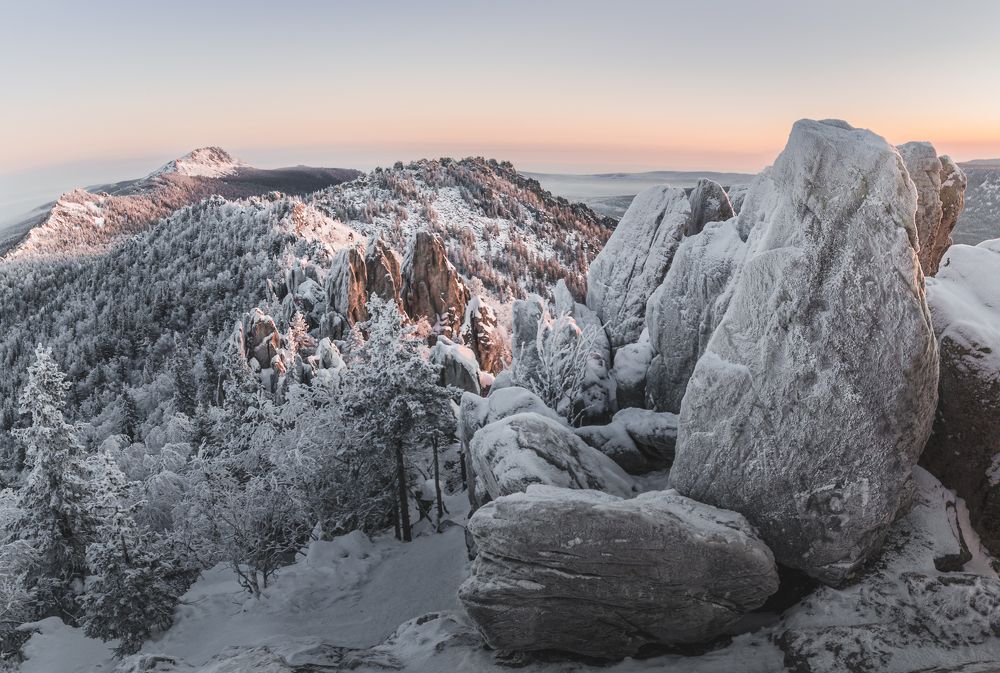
x=528, y=448
x=590, y=573
x=630, y=372
x=709, y=203
x=816, y=392
x=635, y=260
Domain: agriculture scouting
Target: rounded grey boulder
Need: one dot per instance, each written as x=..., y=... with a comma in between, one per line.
x=589, y=573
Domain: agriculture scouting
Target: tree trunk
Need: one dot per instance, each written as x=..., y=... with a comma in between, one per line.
x=404, y=500
x=437, y=483
x=395, y=516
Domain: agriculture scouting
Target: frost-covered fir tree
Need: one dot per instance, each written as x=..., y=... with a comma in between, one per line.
x=387, y=392
x=130, y=417
x=137, y=577
x=185, y=387
x=53, y=504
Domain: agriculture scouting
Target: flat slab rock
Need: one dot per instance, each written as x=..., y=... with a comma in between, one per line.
x=589, y=573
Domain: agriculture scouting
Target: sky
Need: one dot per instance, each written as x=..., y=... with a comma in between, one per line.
x=102, y=90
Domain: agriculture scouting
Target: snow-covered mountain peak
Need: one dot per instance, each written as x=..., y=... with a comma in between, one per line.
x=205, y=162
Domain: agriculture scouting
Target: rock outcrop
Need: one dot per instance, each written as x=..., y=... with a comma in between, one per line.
x=685, y=310
x=383, y=272
x=482, y=335
x=709, y=203
x=528, y=448
x=630, y=372
x=458, y=365
x=432, y=287
x=938, y=180
x=589, y=573
x=964, y=448
x=262, y=339
x=816, y=392
x=635, y=260
x=346, y=295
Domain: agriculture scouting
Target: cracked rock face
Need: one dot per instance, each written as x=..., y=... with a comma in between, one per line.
x=345, y=288
x=432, y=287
x=709, y=203
x=383, y=272
x=635, y=260
x=593, y=574
x=687, y=307
x=816, y=392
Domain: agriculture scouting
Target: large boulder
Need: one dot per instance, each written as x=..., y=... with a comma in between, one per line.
x=709, y=203
x=529, y=448
x=614, y=442
x=432, y=287
x=953, y=185
x=635, y=260
x=964, y=449
x=476, y=412
x=630, y=372
x=589, y=573
x=458, y=365
x=654, y=432
x=816, y=392
x=685, y=310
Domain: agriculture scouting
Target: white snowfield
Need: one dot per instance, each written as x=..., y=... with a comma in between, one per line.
x=204, y=162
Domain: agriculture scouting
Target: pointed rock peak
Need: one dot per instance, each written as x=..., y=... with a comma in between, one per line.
x=206, y=162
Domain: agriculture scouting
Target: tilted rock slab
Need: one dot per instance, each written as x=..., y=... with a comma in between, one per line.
x=683, y=313
x=816, y=392
x=635, y=260
x=589, y=573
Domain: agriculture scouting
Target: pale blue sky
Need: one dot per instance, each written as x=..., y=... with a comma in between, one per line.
x=570, y=86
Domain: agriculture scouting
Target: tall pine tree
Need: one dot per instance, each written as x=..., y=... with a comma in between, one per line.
x=53, y=504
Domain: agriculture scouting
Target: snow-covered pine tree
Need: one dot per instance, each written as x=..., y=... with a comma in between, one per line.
x=385, y=391
x=53, y=504
x=137, y=578
x=185, y=387
x=130, y=417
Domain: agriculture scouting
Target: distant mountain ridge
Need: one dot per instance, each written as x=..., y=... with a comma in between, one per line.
x=980, y=221
x=87, y=221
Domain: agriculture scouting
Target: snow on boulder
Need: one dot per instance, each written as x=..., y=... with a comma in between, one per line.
x=526, y=315
x=262, y=339
x=914, y=610
x=709, y=203
x=816, y=393
x=614, y=442
x=964, y=449
x=476, y=412
x=630, y=371
x=953, y=185
x=655, y=433
x=635, y=260
x=459, y=367
x=684, y=311
x=592, y=574
x=529, y=448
